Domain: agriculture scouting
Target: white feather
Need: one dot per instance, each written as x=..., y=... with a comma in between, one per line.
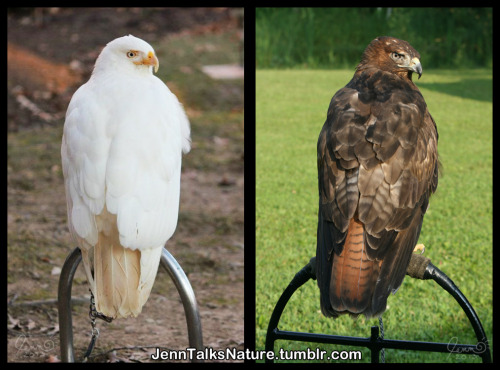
x=122, y=147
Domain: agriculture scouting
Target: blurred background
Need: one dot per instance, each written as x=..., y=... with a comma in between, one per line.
x=51, y=52
x=336, y=37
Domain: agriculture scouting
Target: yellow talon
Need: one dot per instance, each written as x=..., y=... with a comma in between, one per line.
x=419, y=247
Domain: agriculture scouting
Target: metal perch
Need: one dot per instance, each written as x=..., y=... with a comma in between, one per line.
x=420, y=268
x=176, y=274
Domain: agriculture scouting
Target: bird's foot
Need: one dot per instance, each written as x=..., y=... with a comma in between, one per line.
x=419, y=247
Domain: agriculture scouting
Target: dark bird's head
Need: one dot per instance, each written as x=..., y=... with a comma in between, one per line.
x=391, y=55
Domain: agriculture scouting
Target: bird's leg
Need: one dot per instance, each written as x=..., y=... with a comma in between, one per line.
x=419, y=247
x=95, y=330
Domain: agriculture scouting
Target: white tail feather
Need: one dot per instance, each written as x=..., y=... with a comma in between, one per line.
x=120, y=278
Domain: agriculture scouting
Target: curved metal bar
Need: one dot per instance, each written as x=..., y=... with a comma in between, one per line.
x=482, y=347
x=422, y=269
x=188, y=299
x=64, y=303
x=176, y=274
x=307, y=272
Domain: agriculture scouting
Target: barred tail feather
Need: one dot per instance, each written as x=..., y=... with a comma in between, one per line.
x=354, y=276
x=123, y=277
x=117, y=271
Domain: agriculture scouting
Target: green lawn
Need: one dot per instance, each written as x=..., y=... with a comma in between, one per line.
x=457, y=230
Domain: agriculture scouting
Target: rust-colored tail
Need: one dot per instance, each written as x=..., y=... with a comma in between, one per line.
x=354, y=276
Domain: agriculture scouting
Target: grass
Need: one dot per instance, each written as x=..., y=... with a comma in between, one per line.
x=457, y=230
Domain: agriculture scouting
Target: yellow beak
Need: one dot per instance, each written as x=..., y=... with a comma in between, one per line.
x=151, y=60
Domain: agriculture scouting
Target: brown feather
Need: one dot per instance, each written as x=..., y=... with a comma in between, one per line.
x=377, y=167
x=353, y=274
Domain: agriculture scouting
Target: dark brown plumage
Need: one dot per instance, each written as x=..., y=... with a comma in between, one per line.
x=377, y=167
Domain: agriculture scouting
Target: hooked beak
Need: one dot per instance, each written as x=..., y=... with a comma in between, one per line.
x=151, y=60
x=416, y=67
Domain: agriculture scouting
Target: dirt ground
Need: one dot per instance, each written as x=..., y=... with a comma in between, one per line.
x=51, y=52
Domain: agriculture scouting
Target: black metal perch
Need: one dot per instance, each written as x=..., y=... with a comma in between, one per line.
x=420, y=268
x=176, y=274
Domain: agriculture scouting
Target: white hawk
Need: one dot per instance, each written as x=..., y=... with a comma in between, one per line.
x=122, y=146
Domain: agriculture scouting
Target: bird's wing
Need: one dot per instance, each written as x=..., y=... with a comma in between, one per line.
x=377, y=166
x=125, y=154
x=121, y=156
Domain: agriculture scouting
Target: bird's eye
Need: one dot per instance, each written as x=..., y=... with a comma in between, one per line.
x=397, y=55
x=131, y=54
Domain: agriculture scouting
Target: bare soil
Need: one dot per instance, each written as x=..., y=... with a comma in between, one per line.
x=51, y=52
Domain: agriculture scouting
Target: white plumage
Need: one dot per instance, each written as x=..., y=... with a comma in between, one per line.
x=121, y=152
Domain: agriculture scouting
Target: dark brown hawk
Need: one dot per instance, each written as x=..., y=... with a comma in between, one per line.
x=377, y=167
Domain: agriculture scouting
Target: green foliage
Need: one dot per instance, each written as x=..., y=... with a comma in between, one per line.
x=336, y=37
x=457, y=231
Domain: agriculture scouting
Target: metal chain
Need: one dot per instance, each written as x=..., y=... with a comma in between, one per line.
x=93, y=314
x=382, y=351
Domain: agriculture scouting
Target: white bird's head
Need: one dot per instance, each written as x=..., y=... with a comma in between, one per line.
x=127, y=53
